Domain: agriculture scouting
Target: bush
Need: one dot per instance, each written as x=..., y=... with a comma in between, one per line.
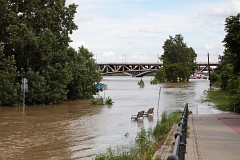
x=141, y=83
x=97, y=101
x=109, y=101
x=154, y=81
x=100, y=101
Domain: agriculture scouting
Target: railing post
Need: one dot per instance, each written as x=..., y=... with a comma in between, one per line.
x=181, y=151
x=172, y=157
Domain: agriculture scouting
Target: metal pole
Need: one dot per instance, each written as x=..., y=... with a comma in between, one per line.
x=158, y=101
x=23, y=95
x=209, y=74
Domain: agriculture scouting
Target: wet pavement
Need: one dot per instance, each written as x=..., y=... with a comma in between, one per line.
x=211, y=137
x=214, y=137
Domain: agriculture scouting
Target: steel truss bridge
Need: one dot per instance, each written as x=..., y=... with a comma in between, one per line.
x=140, y=69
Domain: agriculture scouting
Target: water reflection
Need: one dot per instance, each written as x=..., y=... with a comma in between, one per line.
x=78, y=130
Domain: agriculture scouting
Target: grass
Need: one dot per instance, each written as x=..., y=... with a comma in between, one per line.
x=220, y=98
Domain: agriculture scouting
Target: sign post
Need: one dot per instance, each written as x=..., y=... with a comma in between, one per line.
x=24, y=88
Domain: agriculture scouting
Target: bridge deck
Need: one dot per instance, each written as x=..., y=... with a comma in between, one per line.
x=138, y=67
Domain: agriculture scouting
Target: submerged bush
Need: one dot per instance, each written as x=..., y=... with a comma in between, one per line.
x=97, y=101
x=100, y=101
x=141, y=83
x=109, y=101
x=154, y=81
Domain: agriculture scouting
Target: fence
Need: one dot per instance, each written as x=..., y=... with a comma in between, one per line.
x=179, y=149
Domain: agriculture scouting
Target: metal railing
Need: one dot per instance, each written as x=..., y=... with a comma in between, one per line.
x=179, y=149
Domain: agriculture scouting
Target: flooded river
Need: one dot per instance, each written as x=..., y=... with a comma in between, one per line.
x=78, y=130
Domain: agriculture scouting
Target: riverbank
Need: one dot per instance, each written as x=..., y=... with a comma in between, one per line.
x=223, y=100
x=220, y=98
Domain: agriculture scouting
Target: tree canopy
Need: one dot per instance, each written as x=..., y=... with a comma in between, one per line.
x=178, y=60
x=228, y=71
x=34, y=39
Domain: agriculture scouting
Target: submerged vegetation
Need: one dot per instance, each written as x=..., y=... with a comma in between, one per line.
x=146, y=142
x=141, y=83
x=101, y=101
x=154, y=81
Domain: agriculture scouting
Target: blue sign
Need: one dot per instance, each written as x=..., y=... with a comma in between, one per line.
x=99, y=86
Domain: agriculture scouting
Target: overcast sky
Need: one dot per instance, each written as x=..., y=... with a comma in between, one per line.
x=135, y=30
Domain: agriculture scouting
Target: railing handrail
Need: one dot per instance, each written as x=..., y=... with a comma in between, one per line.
x=179, y=149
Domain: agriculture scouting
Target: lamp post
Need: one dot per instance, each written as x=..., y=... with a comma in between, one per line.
x=209, y=74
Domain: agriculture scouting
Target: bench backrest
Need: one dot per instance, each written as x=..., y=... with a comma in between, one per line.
x=140, y=114
x=150, y=110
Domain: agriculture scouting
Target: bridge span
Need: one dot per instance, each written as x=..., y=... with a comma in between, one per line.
x=139, y=68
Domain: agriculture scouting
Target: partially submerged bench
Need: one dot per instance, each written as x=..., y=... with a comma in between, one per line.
x=150, y=111
x=139, y=115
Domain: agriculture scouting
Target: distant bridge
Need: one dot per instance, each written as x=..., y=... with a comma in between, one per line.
x=138, y=69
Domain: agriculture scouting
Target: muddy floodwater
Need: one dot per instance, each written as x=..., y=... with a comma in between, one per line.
x=78, y=130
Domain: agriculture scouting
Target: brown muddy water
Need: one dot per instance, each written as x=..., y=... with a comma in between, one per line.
x=78, y=130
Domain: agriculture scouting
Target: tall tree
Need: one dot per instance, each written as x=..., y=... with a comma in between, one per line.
x=85, y=75
x=232, y=43
x=27, y=26
x=9, y=89
x=228, y=71
x=178, y=59
x=36, y=33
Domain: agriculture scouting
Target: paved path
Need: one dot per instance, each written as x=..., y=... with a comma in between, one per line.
x=214, y=137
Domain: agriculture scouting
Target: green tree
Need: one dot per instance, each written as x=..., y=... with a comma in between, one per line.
x=36, y=33
x=178, y=59
x=27, y=26
x=85, y=74
x=232, y=43
x=161, y=75
x=228, y=71
x=229, y=68
x=9, y=89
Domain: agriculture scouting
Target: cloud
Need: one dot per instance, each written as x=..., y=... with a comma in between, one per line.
x=109, y=54
x=209, y=46
x=138, y=29
x=226, y=9
x=150, y=30
x=124, y=36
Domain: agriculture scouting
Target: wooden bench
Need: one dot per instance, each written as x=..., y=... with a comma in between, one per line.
x=139, y=115
x=150, y=111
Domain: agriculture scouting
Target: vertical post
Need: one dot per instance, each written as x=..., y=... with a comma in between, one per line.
x=23, y=94
x=181, y=150
x=24, y=88
x=209, y=74
x=158, y=101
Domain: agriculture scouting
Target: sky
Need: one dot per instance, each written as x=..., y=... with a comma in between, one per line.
x=135, y=30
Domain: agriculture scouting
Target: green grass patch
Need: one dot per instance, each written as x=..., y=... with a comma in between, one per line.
x=220, y=98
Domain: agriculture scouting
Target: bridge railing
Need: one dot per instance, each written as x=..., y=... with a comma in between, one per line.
x=179, y=149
